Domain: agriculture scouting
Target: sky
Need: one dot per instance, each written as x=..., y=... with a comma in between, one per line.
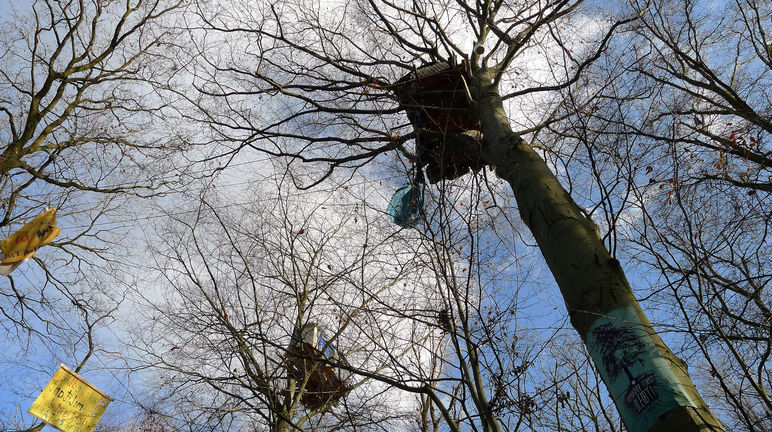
x=142, y=221
x=103, y=370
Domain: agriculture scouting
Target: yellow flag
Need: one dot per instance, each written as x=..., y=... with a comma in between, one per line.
x=24, y=242
x=70, y=403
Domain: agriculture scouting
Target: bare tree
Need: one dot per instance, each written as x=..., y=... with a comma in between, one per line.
x=77, y=112
x=678, y=142
x=239, y=286
x=338, y=74
x=74, y=76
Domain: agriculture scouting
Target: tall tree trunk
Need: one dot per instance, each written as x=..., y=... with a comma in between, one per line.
x=281, y=421
x=661, y=396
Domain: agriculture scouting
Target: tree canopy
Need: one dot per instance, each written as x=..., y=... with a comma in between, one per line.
x=589, y=169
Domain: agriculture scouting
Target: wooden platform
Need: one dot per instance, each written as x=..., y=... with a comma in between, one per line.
x=324, y=384
x=435, y=99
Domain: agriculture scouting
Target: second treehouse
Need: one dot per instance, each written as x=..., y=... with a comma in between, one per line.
x=314, y=360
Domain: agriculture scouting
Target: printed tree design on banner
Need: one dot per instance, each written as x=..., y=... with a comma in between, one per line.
x=620, y=347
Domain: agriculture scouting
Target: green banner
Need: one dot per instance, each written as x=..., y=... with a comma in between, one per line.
x=636, y=374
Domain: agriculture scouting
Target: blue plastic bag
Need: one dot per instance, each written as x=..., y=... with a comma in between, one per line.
x=406, y=206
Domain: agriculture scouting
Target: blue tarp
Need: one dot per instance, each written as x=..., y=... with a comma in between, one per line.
x=406, y=206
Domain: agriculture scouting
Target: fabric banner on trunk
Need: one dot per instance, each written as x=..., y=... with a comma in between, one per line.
x=638, y=376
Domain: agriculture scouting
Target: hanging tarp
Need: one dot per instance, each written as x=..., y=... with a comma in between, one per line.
x=406, y=206
x=25, y=242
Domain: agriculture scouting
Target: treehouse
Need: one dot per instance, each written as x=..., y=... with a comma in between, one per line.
x=311, y=359
x=436, y=100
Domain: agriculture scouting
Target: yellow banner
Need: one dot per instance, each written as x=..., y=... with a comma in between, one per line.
x=35, y=234
x=70, y=403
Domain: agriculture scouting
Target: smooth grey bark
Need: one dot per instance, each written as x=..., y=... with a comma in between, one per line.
x=591, y=281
